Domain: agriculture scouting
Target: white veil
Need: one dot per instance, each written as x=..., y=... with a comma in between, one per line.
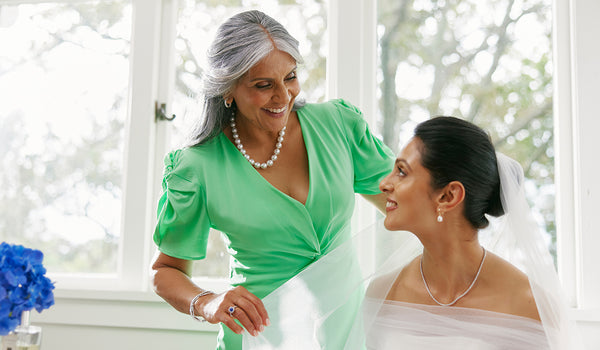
x=520, y=241
x=311, y=311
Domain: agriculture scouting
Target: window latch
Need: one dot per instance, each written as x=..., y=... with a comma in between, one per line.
x=160, y=112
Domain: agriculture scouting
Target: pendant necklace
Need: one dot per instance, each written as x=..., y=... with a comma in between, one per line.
x=460, y=296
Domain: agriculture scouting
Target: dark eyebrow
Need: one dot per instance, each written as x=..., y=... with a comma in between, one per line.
x=404, y=162
x=269, y=79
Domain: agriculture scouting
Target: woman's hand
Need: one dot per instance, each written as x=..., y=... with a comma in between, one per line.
x=247, y=309
x=171, y=278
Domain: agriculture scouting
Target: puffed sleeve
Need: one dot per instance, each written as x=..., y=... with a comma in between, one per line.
x=182, y=220
x=372, y=159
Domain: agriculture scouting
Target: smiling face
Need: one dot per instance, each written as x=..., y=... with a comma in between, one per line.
x=411, y=203
x=265, y=95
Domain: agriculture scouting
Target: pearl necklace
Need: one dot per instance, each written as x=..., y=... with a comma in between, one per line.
x=460, y=296
x=240, y=146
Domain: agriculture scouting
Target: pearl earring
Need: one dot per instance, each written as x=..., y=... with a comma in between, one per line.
x=440, y=218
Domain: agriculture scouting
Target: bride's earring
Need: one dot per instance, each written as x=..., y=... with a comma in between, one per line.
x=440, y=218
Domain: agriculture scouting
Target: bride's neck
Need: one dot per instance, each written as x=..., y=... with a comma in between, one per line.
x=450, y=268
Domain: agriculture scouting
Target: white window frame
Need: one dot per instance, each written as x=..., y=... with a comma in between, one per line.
x=123, y=300
x=576, y=77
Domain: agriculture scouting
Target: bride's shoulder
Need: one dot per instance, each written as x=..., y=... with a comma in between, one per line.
x=387, y=286
x=511, y=276
x=510, y=285
x=497, y=264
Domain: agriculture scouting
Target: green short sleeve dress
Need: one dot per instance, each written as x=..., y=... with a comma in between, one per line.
x=270, y=236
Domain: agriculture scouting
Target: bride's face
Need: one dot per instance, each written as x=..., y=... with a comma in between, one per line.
x=410, y=198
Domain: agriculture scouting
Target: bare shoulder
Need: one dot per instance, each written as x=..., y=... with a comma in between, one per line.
x=404, y=284
x=380, y=286
x=511, y=287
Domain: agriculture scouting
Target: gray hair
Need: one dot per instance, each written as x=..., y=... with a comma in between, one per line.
x=239, y=44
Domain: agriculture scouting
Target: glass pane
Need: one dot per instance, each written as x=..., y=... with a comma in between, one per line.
x=485, y=61
x=306, y=20
x=63, y=80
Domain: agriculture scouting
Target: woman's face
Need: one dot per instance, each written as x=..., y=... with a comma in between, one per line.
x=410, y=198
x=265, y=95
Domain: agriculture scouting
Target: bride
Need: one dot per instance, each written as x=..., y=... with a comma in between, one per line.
x=446, y=183
x=450, y=275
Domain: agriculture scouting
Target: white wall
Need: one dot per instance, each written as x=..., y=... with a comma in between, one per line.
x=121, y=338
x=119, y=321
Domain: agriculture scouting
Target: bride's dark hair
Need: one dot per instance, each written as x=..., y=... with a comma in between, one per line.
x=456, y=150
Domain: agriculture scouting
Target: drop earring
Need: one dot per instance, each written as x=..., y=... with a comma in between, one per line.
x=440, y=218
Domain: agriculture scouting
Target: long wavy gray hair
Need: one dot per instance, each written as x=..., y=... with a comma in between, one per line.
x=240, y=43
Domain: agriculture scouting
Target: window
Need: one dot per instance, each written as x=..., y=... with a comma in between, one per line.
x=64, y=73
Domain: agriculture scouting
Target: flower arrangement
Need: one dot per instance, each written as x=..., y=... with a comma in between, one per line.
x=23, y=285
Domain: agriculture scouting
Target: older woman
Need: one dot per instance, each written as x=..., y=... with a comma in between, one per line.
x=276, y=177
x=447, y=183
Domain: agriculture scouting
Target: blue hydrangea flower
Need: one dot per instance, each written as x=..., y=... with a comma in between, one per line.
x=23, y=284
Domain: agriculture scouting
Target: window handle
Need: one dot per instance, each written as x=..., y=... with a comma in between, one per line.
x=160, y=112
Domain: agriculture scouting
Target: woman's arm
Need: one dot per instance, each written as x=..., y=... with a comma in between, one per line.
x=172, y=282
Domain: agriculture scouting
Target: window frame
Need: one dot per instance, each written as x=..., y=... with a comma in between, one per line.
x=575, y=96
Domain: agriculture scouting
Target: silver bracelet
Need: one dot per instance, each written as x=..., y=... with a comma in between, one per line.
x=198, y=318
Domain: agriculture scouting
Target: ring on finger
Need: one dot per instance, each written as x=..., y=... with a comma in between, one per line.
x=231, y=310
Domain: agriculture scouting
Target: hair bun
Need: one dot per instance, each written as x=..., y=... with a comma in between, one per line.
x=495, y=204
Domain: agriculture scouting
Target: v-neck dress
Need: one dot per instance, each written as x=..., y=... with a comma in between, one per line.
x=269, y=235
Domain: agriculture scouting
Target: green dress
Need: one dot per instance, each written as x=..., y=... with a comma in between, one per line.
x=270, y=236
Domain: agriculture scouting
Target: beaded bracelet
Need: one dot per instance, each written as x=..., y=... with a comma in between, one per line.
x=198, y=318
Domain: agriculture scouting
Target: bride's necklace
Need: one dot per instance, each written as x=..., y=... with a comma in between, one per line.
x=240, y=146
x=460, y=296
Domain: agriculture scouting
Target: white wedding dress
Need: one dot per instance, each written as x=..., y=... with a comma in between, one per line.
x=428, y=327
